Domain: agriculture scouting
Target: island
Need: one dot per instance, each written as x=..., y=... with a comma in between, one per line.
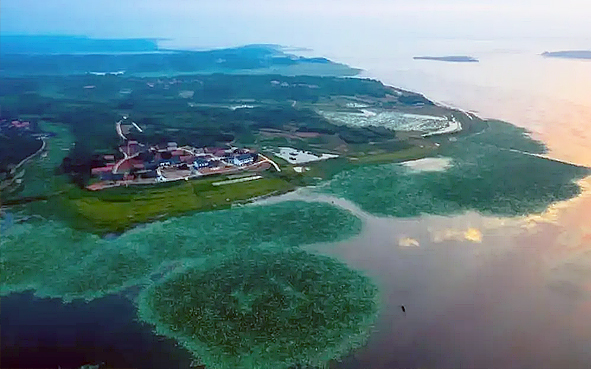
x=569, y=54
x=450, y=59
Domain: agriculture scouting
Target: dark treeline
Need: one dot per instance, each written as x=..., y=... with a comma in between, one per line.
x=155, y=104
x=214, y=88
x=51, y=44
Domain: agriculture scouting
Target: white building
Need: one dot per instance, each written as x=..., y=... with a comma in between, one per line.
x=243, y=159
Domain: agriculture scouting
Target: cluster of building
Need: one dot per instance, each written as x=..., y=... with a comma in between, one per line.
x=22, y=128
x=169, y=162
x=138, y=163
x=6, y=124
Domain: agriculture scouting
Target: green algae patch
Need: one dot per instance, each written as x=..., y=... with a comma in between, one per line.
x=264, y=309
x=58, y=261
x=496, y=171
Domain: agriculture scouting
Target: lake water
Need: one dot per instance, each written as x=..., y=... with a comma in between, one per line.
x=519, y=294
x=45, y=333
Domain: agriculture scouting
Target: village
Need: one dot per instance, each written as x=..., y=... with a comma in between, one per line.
x=144, y=164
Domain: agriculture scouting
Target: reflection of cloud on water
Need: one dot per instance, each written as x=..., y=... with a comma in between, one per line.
x=408, y=242
x=473, y=235
x=568, y=289
x=450, y=234
x=571, y=277
x=574, y=239
x=429, y=164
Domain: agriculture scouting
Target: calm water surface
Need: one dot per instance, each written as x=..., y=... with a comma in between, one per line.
x=518, y=295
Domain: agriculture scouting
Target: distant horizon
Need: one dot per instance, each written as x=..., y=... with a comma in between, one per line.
x=312, y=23
x=159, y=47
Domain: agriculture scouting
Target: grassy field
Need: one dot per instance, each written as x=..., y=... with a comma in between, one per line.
x=117, y=209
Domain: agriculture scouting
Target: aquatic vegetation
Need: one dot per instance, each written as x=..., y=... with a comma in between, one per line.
x=58, y=261
x=489, y=173
x=504, y=135
x=264, y=309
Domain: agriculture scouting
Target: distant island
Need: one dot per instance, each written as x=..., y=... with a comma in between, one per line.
x=569, y=54
x=449, y=59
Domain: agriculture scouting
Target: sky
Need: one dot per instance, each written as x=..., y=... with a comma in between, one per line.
x=298, y=23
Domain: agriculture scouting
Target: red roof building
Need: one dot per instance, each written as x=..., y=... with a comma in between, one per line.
x=99, y=170
x=19, y=124
x=187, y=158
